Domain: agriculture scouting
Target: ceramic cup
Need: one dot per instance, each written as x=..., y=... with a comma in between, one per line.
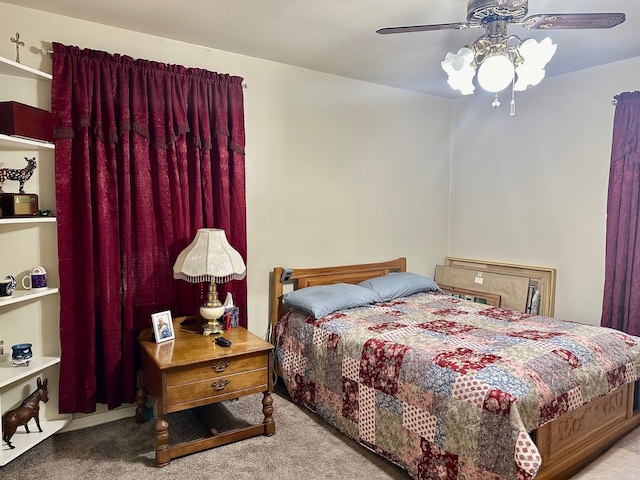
x=36, y=280
x=7, y=286
x=21, y=354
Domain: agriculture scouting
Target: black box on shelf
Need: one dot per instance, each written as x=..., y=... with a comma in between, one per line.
x=18, y=205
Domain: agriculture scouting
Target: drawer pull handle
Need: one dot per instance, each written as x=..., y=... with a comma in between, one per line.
x=220, y=384
x=220, y=366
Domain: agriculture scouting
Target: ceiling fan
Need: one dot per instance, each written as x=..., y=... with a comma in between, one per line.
x=501, y=59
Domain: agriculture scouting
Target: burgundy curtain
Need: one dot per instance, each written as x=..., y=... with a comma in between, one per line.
x=621, y=303
x=146, y=153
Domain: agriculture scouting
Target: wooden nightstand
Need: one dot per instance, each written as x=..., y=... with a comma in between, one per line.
x=191, y=371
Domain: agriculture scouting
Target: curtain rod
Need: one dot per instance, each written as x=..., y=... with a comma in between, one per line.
x=44, y=51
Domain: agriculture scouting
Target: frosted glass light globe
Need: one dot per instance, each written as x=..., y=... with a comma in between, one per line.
x=536, y=56
x=495, y=73
x=458, y=67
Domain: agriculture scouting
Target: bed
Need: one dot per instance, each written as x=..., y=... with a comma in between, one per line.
x=448, y=388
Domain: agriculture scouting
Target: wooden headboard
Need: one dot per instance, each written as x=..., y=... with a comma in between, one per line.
x=307, y=277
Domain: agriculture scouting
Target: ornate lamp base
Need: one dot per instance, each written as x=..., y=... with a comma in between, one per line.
x=211, y=311
x=211, y=315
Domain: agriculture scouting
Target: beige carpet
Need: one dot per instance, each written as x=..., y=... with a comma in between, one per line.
x=620, y=462
x=303, y=447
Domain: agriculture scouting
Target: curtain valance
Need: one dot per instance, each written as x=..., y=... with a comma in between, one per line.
x=145, y=90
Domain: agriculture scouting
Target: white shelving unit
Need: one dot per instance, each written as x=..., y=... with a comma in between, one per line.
x=11, y=142
x=10, y=374
x=24, y=221
x=25, y=295
x=29, y=316
x=9, y=67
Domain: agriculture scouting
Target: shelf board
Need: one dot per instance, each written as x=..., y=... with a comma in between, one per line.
x=9, y=67
x=23, y=220
x=10, y=374
x=26, y=295
x=23, y=441
x=12, y=142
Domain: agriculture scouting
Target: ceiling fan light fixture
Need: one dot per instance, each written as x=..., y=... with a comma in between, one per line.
x=527, y=77
x=535, y=56
x=516, y=63
x=495, y=73
x=538, y=52
x=460, y=70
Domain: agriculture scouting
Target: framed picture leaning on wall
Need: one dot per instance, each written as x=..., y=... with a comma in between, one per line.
x=162, y=326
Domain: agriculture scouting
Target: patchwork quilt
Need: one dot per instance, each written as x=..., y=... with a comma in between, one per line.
x=448, y=388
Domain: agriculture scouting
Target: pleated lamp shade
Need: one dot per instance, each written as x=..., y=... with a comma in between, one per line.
x=209, y=258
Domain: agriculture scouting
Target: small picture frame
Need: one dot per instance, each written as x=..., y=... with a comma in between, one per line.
x=162, y=326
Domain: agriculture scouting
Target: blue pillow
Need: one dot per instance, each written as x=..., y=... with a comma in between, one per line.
x=400, y=284
x=322, y=300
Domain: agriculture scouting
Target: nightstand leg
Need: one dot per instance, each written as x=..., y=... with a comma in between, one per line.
x=141, y=399
x=163, y=455
x=267, y=410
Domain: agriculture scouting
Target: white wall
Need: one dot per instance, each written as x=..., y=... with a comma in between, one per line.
x=338, y=171
x=532, y=189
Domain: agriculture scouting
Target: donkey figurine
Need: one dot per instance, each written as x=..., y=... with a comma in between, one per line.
x=28, y=409
x=19, y=175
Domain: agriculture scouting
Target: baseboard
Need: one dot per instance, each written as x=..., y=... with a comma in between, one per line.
x=103, y=415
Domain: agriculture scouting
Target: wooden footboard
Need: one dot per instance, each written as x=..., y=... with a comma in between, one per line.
x=575, y=439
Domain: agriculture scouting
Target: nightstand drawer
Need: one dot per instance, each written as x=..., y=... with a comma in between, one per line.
x=222, y=385
x=216, y=368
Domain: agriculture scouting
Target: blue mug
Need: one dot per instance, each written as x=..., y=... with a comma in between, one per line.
x=21, y=354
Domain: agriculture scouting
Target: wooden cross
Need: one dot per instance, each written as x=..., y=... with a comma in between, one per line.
x=18, y=45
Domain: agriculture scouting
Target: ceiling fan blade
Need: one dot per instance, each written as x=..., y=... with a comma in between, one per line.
x=424, y=28
x=573, y=20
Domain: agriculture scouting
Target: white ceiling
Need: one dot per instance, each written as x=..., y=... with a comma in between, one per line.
x=338, y=36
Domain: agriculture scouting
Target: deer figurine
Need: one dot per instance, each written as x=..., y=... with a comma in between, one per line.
x=19, y=175
x=28, y=409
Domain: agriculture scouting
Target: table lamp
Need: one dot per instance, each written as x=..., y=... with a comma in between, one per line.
x=210, y=258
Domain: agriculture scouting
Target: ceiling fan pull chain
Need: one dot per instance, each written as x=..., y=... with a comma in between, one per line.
x=496, y=101
x=512, y=109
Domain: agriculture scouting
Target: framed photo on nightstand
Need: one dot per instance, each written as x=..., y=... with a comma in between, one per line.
x=162, y=326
